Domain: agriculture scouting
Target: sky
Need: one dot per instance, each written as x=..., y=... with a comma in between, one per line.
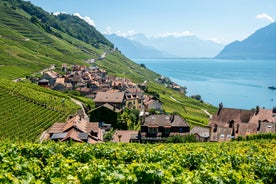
x=223, y=21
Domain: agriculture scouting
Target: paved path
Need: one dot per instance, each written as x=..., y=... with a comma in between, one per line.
x=206, y=112
x=52, y=67
x=85, y=116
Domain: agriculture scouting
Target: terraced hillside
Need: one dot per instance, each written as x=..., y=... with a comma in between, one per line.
x=26, y=46
x=32, y=39
x=27, y=110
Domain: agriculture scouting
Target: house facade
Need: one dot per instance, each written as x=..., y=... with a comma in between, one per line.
x=162, y=126
x=202, y=134
x=106, y=113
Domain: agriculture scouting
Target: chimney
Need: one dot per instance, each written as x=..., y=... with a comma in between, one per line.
x=257, y=110
x=259, y=125
x=119, y=137
x=238, y=127
x=274, y=110
x=231, y=124
x=216, y=128
x=220, y=107
x=172, y=118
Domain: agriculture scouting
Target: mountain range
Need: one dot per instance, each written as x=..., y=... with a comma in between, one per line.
x=259, y=45
x=134, y=49
x=141, y=46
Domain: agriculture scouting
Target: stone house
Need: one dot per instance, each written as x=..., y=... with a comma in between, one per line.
x=229, y=123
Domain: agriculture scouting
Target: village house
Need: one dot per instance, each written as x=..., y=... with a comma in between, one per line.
x=62, y=85
x=158, y=127
x=152, y=103
x=229, y=123
x=51, y=76
x=116, y=99
x=105, y=113
x=43, y=83
x=201, y=134
x=134, y=98
x=125, y=136
x=76, y=129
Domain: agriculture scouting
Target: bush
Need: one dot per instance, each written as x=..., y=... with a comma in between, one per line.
x=181, y=139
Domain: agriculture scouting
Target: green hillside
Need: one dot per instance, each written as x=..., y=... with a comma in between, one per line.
x=27, y=47
x=32, y=39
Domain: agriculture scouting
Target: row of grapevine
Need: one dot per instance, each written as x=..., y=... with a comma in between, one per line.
x=25, y=112
x=36, y=94
x=232, y=162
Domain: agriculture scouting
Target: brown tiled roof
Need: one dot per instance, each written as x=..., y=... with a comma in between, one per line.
x=125, y=135
x=52, y=74
x=76, y=129
x=263, y=114
x=201, y=131
x=76, y=122
x=72, y=134
x=56, y=128
x=228, y=114
x=108, y=106
x=94, y=126
x=245, y=122
x=165, y=120
x=109, y=97
x=134, y=90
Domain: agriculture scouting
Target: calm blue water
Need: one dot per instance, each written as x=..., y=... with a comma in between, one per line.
x=237, y=83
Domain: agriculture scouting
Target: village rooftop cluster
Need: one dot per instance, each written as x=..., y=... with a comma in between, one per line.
x=112, y=95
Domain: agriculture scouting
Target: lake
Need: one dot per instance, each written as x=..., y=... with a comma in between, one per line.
x=239, y=84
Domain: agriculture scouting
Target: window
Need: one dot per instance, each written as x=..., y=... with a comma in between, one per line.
x=221, y=136
x=152, y=130
x=180, y=130
x=167, y=130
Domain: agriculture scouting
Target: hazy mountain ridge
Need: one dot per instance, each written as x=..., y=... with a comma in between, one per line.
x=259, y=45
x=134, y=49
x=184, y=46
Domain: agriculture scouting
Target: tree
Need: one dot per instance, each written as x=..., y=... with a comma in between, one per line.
x=143, y=65
x=197, y=97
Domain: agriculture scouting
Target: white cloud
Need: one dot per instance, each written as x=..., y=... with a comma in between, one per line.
x=175, y=34
x=217, y=40
x=86, y=18
x=108, y=30
x=265, y=16
x=58, y=13
x=126, y=34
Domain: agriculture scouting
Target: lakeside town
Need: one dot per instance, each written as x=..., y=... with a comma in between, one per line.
x=113, y=95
